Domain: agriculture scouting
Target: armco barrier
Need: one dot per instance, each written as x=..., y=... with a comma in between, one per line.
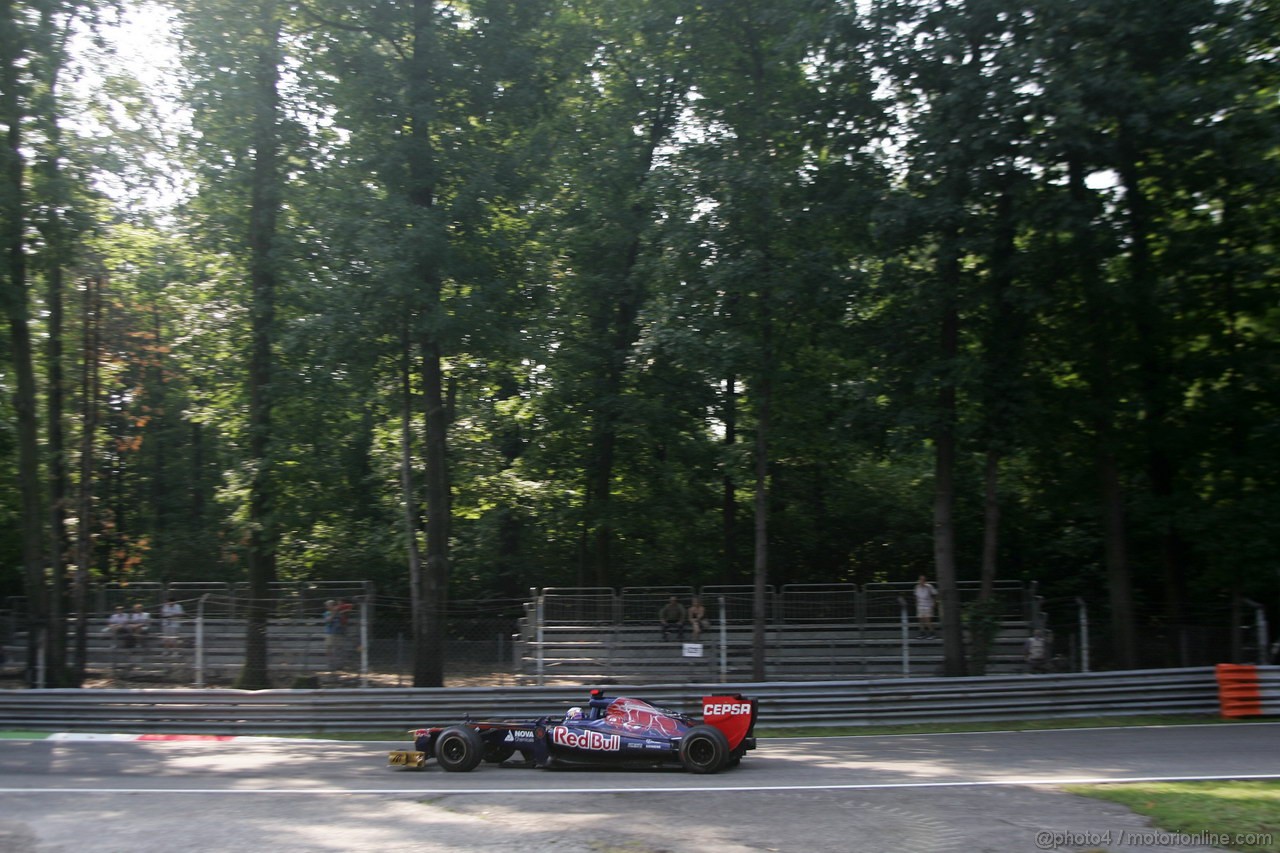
x=1245, y=690
x=782, y=704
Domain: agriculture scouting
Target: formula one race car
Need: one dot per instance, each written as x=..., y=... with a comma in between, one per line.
x=610, y=731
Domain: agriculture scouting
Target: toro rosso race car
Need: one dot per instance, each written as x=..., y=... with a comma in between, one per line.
x=609, y=731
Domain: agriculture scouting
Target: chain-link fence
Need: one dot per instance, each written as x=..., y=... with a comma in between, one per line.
x=341, y=633
x=1206, y=633
x=317, y=634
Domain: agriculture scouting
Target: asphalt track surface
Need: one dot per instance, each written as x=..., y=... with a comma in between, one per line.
x=991, y=791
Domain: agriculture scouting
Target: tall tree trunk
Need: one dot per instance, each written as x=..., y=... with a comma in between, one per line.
x=164, y=505
x=264, y=215
x=409, y=492
x=429, y=665
x=1154, y=380
x=429, y=651
x=90, y=392
x=1002, y=354
x=944, y=535
x=1124, y=639
x=729, y=486
x=990, y=523
x=510, y=527
x=56, y=254
x=57, y=656
x=1103, y=398
x=599, y=490
x=759, y=609
x=14, y=298
x=1236, y=476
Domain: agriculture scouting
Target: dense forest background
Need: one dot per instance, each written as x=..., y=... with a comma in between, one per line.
x=467, y=297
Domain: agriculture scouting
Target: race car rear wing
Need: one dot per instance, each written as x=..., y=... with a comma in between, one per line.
x=734, y=715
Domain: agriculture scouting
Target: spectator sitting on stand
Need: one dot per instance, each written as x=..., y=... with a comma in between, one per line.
x=1036, y=652
x=118, y=628
x=672, y=618
x=139, y=624
x=697, y=618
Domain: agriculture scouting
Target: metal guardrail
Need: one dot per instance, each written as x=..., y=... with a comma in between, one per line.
x=782, y=704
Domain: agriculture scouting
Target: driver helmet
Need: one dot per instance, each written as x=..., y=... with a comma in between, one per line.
x=574, y=713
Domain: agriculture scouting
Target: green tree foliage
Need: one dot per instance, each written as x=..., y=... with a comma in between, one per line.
x=477, y=296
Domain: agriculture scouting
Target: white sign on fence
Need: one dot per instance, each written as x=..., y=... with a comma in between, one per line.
x=693, y=650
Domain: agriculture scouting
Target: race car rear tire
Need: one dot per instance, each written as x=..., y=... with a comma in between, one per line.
x=704, y=749
x=459, y=749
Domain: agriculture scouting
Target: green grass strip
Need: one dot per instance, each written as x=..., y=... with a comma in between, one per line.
x=1241, y=815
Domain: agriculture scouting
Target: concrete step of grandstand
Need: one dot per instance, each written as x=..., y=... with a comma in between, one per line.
x=636, y=654
x=292, y=646
x=787, y=636
x=870, y=631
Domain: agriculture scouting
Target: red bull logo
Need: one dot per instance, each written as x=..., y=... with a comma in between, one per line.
x=595, y=741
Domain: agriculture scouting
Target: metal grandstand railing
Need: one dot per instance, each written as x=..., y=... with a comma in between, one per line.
x=820, y=602
x=797, y=604
x=578, y=605
x=882, y=601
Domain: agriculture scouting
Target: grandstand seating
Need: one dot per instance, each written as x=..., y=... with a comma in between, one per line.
x=632, y=654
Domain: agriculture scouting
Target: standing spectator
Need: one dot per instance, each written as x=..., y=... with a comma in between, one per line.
x=118, y=628
x=171, y=614
x=672, y=618
x=926, y=602
x=697, y=618
x=335, y=634
x=139, y=624
x=1036, y=652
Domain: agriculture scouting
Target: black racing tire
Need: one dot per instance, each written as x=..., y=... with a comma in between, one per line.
x=459, y=749
x=704, y=749
x=496, y=753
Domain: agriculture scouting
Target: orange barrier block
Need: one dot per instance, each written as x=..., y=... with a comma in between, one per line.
x=1238, y=690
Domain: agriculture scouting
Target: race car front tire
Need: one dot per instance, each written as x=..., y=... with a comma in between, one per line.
x=704, y=749
x=459, y=749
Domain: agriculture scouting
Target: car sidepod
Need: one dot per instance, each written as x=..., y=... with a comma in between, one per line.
x=502, y=742
x=599, y=742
